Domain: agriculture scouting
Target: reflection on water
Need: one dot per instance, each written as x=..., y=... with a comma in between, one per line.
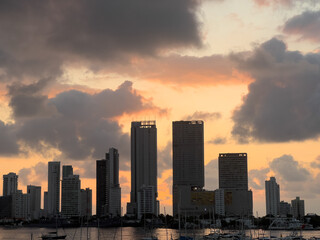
x=129, y=233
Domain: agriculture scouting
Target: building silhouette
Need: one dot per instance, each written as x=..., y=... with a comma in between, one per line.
x=297, y=206
x=70, y=193
x=108, y=187
x=284, y=209
x=233, y=178
x=272, y=190
x=143, y=167
x=53, y=188
x=86, y=202
x=188, y=163
x=34, y=201
x=10, y=184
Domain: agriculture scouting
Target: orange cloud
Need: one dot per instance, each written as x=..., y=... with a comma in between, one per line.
x=184, y=70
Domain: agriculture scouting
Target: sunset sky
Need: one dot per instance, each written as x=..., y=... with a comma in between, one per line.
x=74, y=74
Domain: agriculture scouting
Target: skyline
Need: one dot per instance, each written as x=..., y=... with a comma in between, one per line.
x=71, y=84
x=185, y=133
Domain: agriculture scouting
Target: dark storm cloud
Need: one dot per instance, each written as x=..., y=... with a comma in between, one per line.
x=283, y=103
x=305, y=25
x=78, y=124
x=199, y=115
x=8, y=140
x=39, y=37
x=27, y=100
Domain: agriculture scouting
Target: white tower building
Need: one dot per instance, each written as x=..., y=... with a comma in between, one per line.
x=143, y=163
x=272, y=197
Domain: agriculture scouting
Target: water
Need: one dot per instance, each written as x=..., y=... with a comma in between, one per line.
x=128, y=233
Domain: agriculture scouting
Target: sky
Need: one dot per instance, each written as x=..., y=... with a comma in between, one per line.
x=74, y=74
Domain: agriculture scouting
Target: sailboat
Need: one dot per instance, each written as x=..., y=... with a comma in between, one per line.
x=53, y=235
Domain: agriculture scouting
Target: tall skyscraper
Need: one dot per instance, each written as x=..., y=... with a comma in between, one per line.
x=272, y=197
x=233, y=171
x=70, y=193
x=10, y=184
x=108, y=187
x=20, y=205
x=101, y=189
x=114, y=193
x=297, y=208
x=143, y=164
x=86, y=202
x=53, y=188
x=67, y=170
x=45, y=204
x=188, y=160
x=34, y=201
x=233, y=178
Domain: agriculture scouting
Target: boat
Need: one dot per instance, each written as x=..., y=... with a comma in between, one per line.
x=53, y=235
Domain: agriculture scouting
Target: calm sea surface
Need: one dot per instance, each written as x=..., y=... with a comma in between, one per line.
x=127, y=233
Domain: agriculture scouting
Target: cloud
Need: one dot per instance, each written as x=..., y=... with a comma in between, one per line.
x=186, y=70
x=305, y=25
x=34, y=175
x=316, y=163
x=275, y=2
x=211, y=175
x=218, y=140
x=40, y=38
x=284, y=100
x=257, y=178
x=294, y=179
x=8, y=140
x=199, y=115
x=285, y=3
x=289, y=169
x=164, y=159
x=80, y=125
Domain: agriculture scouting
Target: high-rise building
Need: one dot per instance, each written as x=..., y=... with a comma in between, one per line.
x=10, y=184
x=6, y=209
x=53, y=188
x=285, y=209
x=146, y=199
x=219, y=202
x=114, y=193
x=86, y=202
x=20, y=205
x=108, y=187
x=45, y=204
x=143, y=163
x=34, y=201
x=188, y=161
x=297, y=208
x=101, y=187
x=272, y=197
x=188, y=153
x=70, y=193
x=233, y=178
x=67, y=170
x=233, y=171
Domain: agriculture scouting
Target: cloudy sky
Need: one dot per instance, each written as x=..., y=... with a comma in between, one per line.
x=74, y=74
